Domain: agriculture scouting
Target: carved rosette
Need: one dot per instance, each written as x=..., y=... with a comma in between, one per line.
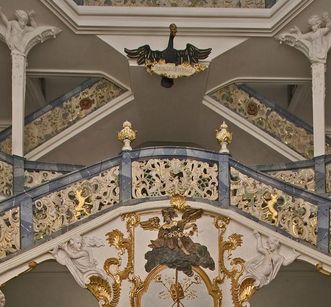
x=303, y=178
x=34, y=178
x=9, y=232
x=295, y=215
x=65, y=115
x=179, y=3
x=6, y=179
x=266, y=119
x=75, y=202
x=167, y=177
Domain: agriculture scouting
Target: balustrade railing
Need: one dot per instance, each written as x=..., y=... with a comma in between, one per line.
x=63, y=112
x=328, y=173
x=137, y=176
x=269, y=117
x=6, y=176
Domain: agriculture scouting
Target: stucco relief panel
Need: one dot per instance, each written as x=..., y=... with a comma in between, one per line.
x=6, y=180
x=175, y=255
x=265, y=118
x=76, y=202
x=167, y=177
x=295, y=215
x=9, y=232
x=303, y=178
x=328, y=177
x=34, y=178
x=65, y=115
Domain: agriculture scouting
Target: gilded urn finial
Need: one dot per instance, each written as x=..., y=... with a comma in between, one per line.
x=224, y=137
x=127, y=135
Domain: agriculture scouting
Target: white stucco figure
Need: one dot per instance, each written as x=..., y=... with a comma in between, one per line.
x=264, y=267
x=2, y=299
x=314, y=44
x=77, y=256
x=22, y=33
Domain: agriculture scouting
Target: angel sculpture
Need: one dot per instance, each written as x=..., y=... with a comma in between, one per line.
x=190, y=55
x=264, y=268
x=174, y=246
x=77, y=257
x=22, y=33
x=316, y=43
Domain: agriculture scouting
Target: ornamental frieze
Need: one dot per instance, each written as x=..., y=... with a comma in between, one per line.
x=167, y=177
x=52, y=122
x=33, y=178
x=76, y=202
x=293, y=214
x=176, y=3
x=266, y=118
x=303, y=178
x=9, y=232
x=6, y=180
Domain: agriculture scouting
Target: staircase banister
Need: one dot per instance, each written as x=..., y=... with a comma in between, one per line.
x=285, y=187
x=59, y=183
x=174, y=152
x=284, y=166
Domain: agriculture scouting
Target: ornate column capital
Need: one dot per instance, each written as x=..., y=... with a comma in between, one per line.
x=314, y=44
x=23, y=33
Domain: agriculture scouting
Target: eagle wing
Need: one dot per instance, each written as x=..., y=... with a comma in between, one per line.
x=191, y=214
x=192, y=54
x=143, y=54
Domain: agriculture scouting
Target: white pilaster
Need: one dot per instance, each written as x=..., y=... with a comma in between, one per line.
x=315, y=46
x=318, y=84
x=18, y=102
x=21, y=35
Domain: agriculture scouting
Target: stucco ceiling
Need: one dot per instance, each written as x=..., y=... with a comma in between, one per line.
x=168, y=116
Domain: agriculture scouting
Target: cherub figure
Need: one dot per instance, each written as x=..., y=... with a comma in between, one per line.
x=266, y=266
x=17, y=29
x=78, y=258
x=23, y=33
x=317, y=42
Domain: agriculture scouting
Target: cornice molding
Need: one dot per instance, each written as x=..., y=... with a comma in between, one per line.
x=192, y=21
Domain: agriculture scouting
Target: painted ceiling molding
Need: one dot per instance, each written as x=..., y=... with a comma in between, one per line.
x=181, y=3
x=197, y=21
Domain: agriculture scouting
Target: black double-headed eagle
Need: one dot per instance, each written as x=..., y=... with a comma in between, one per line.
x=190, y=55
